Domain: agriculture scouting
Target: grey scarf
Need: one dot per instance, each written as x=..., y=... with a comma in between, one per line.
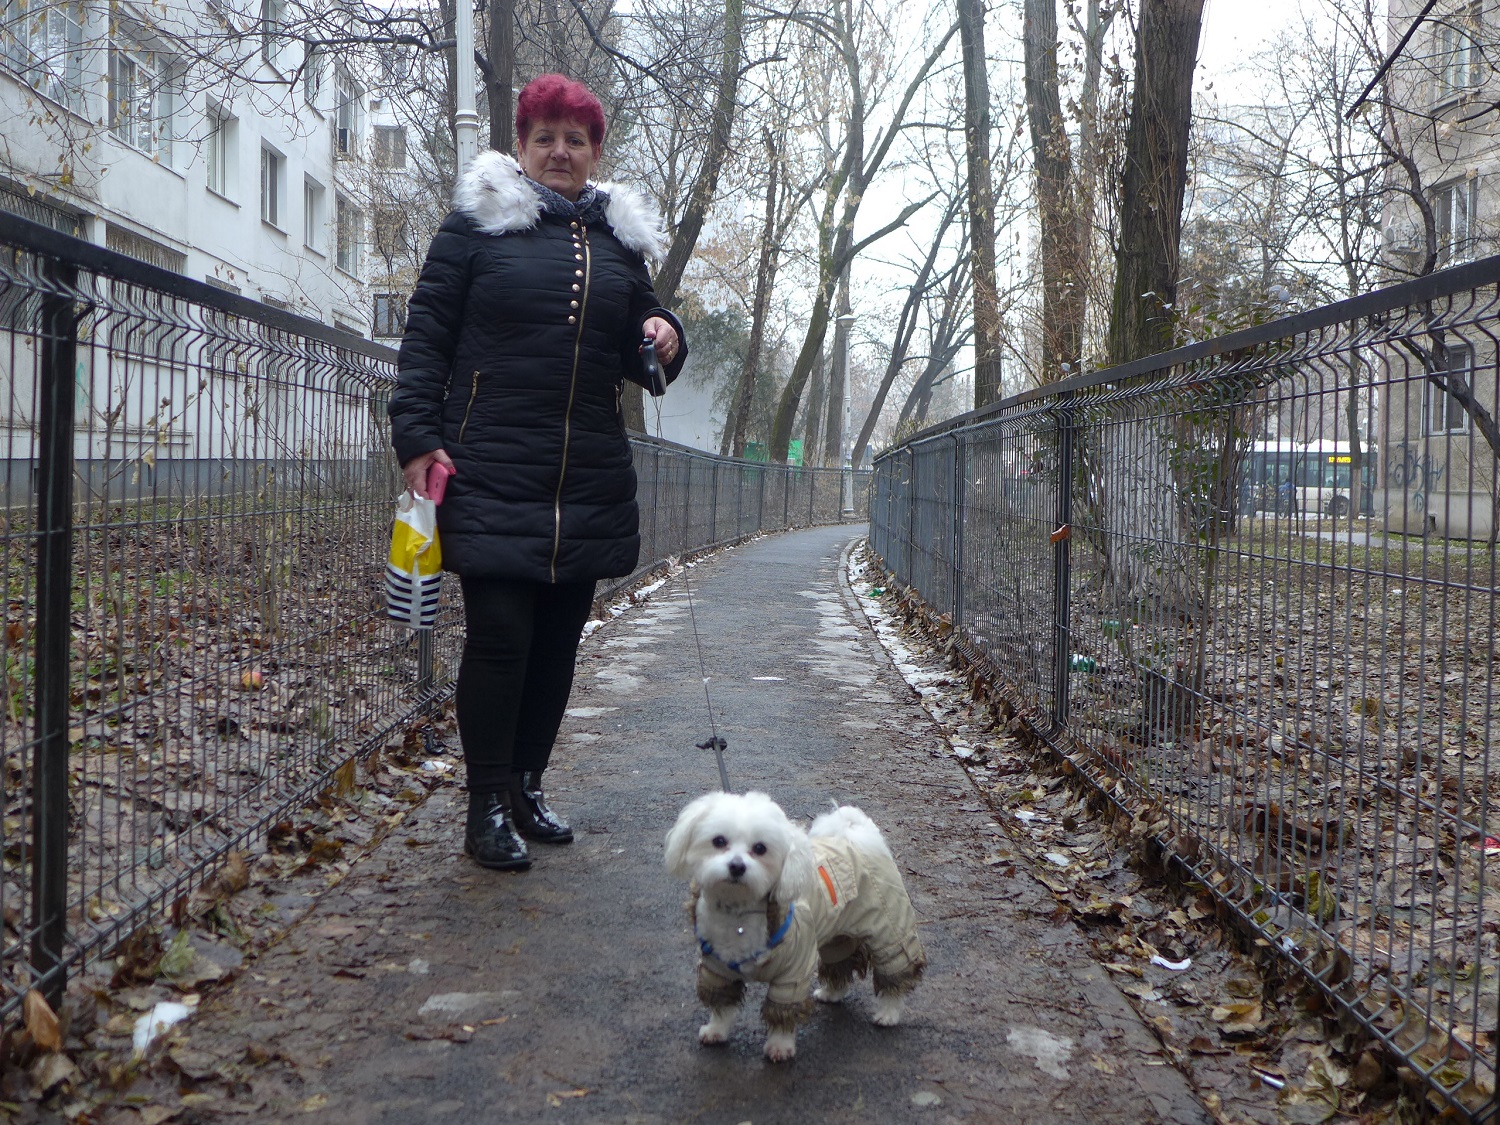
x=589, y=208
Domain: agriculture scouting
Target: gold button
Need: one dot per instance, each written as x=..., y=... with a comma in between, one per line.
x=572, y=304
x=576, y=287
x=577, y=273
x=572, y=320
x=578, y=257
x=573, y=225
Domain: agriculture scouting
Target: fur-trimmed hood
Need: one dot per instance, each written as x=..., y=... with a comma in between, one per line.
x=498, y=198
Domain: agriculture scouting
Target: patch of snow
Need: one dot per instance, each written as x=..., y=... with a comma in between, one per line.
x=1050, y=1051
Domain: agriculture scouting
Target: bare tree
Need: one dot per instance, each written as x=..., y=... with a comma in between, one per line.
x=846, y=186
x=977, y=144
x=1155, y=182
x=1058, y=212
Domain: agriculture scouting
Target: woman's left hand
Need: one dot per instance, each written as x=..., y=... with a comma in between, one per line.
x=665, y=336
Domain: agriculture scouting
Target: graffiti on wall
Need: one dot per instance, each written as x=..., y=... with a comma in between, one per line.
x=1415, y=470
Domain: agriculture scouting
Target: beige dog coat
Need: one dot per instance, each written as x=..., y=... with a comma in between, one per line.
x=858, y=916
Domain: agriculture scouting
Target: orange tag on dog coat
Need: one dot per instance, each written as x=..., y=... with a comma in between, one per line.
x=833, y=895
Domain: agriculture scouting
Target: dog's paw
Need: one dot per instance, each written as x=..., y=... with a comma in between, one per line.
x=712, y=1035
x=888, y=1010
x=829, y=994
x=781, y=1046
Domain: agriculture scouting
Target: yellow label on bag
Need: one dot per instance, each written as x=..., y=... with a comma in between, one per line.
x=413, y=570
x=413, y=549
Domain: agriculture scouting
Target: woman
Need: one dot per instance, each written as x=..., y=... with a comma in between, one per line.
x=530, y=311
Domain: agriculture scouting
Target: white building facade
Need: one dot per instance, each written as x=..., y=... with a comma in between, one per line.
x=192, y=136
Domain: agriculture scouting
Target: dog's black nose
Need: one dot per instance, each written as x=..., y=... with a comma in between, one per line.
x=737, y=868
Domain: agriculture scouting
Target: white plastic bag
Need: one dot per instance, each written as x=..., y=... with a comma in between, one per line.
x=414, y=567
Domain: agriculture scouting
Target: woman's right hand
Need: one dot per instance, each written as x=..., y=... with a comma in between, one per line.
x=415, y=470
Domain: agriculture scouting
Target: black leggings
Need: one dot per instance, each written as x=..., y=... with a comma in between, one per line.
x=516, y=673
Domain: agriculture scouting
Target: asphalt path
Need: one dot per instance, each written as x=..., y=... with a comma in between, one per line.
x=423, y=988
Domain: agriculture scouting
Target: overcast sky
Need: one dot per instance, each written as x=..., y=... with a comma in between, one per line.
x=1234, y=30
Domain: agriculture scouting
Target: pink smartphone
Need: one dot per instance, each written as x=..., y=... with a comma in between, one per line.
x=437, y=481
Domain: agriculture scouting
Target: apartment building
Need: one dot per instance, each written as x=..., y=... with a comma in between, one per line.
x=193, y=135
x=1436, y=470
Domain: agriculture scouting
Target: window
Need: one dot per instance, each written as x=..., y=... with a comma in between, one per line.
x=272, y=187
x=219, y=150
x=390, y=314
x=141, y=99
x=347, y=120
x=42, y=41
x=312, y=77
x=312, y=215
x=1445, y=415
x=350, y=224
x=1454, y=207
x=1456, y=51
x=272, y=17
x=390, y=146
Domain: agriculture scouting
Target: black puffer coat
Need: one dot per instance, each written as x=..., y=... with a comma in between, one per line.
x=519, y=333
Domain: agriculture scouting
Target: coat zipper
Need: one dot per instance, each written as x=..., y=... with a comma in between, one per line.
x=473, y=391
x=562, y=473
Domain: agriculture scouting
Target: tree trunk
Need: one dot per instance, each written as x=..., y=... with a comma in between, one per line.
x=720, y=130
x=836, y=245
x=817, y=395
x=765, y=278
x=1156, y=151
x=700, y=198
x=981, y=203
x=1087, y=177
x=501, y=87
x=1062, y=289
x=906, y=327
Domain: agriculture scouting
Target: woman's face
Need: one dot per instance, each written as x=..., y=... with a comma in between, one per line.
x=559, y=155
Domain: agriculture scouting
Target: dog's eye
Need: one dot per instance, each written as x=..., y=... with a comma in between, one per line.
x=720, y=842
x=759, y=849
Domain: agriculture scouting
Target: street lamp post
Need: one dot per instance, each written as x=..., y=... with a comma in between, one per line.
x=841, y=327
x=465, y=116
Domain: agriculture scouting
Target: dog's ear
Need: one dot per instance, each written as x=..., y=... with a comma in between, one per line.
x=800, y=869
x=680, y=838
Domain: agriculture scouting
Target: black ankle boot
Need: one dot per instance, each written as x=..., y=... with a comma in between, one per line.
x=489, y=836
x=534, y=819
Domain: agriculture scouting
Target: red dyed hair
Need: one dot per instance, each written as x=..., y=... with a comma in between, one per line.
x=553, y=97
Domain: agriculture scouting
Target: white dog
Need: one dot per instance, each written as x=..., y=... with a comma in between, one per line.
x=776, y=904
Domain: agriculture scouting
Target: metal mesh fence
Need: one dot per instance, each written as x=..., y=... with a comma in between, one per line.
x=1249, y=588
x=198, y=492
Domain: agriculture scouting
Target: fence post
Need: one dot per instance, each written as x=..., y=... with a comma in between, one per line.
x=960, y=454
x=687, y=505
x=655, y=492
x=1062, y=561
x=713, y=511
x=54, y=580
x=760, y=504
x=424, y=662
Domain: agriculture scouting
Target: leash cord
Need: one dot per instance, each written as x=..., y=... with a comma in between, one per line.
x=714, y=743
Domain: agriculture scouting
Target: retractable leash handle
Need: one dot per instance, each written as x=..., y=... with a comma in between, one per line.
x=656, y=382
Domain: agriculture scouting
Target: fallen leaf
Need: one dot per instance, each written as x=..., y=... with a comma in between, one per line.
x=344, y=778
x=235, y=875
x=51, y=1071
x=41, y=1021
x=315, y=1103
x=178, y=957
